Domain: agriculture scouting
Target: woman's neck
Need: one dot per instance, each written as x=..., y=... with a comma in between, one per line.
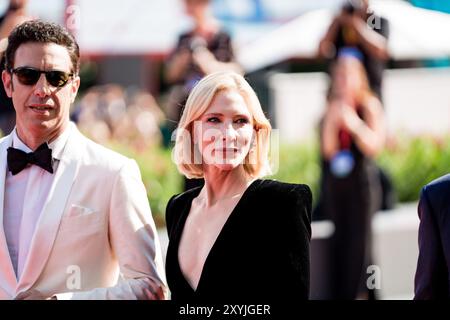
x=221, y=185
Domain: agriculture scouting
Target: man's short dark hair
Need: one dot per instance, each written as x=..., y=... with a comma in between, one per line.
x=42, y=32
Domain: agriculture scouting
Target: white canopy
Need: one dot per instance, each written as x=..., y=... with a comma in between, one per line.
x=415, y=33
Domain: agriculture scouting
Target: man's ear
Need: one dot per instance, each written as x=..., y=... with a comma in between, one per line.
x=75, y=85
x=7, y=83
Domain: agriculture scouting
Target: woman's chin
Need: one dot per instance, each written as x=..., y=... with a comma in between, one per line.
x=226, y=163
x=229, y=164
x=226, y=166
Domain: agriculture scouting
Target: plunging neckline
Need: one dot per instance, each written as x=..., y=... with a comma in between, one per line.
x=225, y=226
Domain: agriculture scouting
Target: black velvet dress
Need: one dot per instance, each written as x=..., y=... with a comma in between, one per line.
x=261, y=253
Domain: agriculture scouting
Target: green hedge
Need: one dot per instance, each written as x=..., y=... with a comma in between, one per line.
x=411, y=163
x=300, y=164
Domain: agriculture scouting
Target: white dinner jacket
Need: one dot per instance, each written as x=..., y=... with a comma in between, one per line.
x=95, y=238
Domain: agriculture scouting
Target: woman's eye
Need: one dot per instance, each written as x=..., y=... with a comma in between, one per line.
x=242, y=120
x=213, y=119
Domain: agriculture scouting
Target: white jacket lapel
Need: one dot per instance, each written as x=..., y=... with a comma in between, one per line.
x=52, y=212
x=8, y=279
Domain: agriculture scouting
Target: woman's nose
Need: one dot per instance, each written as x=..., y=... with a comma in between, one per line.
x=229, y=131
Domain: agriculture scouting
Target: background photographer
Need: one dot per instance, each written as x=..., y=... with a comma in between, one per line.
x=15, y=14
x=356, y=27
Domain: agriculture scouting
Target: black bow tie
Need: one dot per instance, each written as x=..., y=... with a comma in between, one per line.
x=18, y=159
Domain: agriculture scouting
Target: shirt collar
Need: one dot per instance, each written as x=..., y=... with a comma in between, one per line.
x=59, y=143
x=56, y=145
x=18, y=144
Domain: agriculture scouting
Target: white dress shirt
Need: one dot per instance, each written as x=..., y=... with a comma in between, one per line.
x=25, y=196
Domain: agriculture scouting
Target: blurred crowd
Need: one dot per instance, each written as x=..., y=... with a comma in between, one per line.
x=111, y=113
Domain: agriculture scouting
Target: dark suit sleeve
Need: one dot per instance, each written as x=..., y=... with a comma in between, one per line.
x=298, y=235
x=431, y=274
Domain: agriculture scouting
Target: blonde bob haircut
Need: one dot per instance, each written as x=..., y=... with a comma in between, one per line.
x=186, y=153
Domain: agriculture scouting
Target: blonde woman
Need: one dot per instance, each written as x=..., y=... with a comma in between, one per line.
x=238, y=237
x=204, y=49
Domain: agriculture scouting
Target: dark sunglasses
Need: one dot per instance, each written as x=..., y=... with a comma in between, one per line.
x=30, y=76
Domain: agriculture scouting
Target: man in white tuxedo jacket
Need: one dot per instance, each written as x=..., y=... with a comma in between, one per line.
x=75, y=219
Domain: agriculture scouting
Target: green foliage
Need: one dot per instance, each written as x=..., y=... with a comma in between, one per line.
x=411, y=163
x=415, y=162
x=299, y=164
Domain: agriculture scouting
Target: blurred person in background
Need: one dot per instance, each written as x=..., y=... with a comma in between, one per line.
x=205, y=49
x=239, y=237
x=15, y=14
x=433, y=267
x=356, y=27
x=352, y=133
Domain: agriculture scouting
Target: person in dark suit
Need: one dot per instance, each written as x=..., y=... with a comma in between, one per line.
x=237, y=238
x=432, y=273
